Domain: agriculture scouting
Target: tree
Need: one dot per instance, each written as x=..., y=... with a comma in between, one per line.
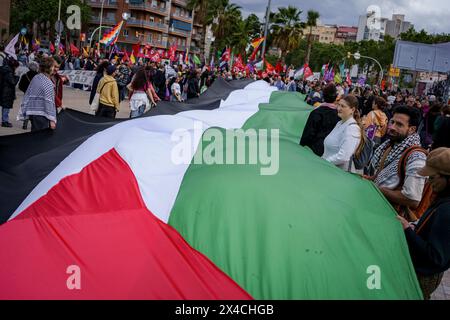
x=253, y=26
x=311, y=22
x=44, y=13
x=423, y=37
x=228, y=24
x=287, y=29
x=204, y=15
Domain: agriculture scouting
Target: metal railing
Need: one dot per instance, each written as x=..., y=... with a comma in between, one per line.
x=104, y=20
x=149, y=7
x=149, y=24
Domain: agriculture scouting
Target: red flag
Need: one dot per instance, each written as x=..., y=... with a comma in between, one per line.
x=172, y=52
x=308, y=72
x=255, y=52
x=74, y=50
x=136, y=49
x=279, y=67
x=126, y=58
x=269, y=68
x=226, y=55
x=349, y=80
x=52, y=48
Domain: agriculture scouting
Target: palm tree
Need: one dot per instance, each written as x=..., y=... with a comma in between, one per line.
x=286, y=29
x=311, y=22
x=204, y=15
x=228, y=23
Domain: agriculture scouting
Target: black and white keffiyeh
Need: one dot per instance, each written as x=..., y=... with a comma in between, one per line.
x=39, y=99
x=393, y=158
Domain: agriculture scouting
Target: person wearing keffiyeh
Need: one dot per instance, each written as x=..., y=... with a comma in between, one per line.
x=38, y=104
x=385, y=162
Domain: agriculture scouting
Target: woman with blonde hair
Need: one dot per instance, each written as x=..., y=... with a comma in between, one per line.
x=347, y=137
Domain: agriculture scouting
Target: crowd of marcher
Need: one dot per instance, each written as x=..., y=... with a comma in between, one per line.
x=396, y=139
x=402, y=143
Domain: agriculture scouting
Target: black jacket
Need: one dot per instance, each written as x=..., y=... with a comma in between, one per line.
x=320, y=123
x=8, y=82
x=25, y=80
x=193, y=88
x=430, y=247
x=97, y=79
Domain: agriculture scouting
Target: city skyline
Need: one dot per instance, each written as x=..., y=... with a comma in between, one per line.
x=431, y=16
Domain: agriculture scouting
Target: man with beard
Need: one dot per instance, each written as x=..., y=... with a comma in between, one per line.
x=396, y=162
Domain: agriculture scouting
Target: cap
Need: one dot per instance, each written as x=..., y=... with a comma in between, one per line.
x=438, y=162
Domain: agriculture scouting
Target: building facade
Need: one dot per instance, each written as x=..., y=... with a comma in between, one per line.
x=397, y=25
x=345, y=34
x=392, y=27
x=4, y=19
x=322, y=33
x=157, y=23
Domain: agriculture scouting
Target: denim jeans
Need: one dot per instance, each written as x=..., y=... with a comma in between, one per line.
x=5, y=114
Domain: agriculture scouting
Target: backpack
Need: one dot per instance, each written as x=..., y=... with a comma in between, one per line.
x=427, y=194
x=363, y=158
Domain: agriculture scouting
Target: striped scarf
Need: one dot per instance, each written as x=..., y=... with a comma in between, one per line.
x=39, y=100
x=392, y=161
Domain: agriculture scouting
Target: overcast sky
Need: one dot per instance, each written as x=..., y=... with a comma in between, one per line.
x=431, y=15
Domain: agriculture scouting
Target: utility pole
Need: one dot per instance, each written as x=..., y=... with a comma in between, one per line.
x=58, y=39
x=266, y=29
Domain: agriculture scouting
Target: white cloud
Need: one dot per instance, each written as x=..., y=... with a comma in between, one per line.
x=431, y=15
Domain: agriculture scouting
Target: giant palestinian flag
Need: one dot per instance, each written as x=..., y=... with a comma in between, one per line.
x=112, y=207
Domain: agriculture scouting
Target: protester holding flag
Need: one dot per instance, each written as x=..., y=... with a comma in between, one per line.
x=38, y=104
x=101, y=69
x=321, y=122
x=109, y=95
x=141, y=95
x=345, y=140
x=194, y=86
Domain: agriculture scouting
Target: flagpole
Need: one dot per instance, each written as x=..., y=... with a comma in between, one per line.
x=266, y=29
x=100, y=32
x=59, y=30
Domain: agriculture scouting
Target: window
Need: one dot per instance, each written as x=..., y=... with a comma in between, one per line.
x=154, y=4
x=125, y=33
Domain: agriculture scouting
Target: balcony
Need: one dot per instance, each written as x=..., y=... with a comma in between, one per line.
x=148, y=24
x=182, y=3
x=181, y=18
x=105, y=20
x=143, y=41
x=179, y=32
x=109, y=4
x=149, y=8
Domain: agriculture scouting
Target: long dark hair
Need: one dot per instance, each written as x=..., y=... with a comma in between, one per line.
x=140, y=79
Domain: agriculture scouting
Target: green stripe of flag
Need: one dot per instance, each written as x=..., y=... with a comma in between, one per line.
x=311, y=231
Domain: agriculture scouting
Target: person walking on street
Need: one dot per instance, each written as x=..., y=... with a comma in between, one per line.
x=8, y=82
x=38, y=104
x=109, y=95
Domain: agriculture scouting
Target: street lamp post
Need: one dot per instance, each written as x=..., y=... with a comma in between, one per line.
x=358, y=56
x=59, y=30
x=100, y=28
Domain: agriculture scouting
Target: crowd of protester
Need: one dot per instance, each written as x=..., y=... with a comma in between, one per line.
x=396, y=139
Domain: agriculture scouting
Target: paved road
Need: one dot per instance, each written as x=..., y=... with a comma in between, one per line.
x=72, y=98
x=78, y=100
